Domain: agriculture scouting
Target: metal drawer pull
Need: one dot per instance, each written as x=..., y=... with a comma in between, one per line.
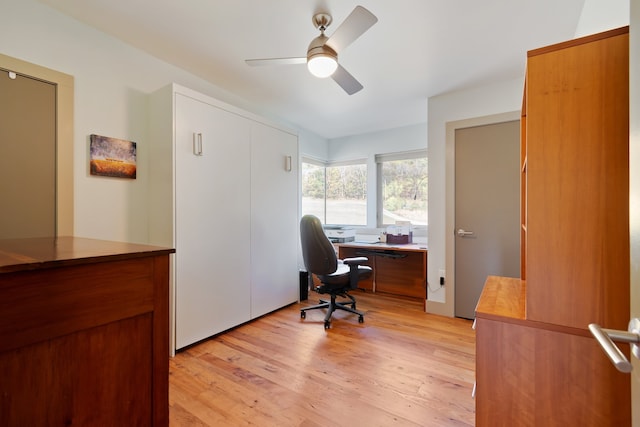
x=606, y=337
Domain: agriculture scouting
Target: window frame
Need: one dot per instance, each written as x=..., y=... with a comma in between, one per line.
x=329, y=164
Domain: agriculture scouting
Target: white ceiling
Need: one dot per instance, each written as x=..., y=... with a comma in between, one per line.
x=418, y=49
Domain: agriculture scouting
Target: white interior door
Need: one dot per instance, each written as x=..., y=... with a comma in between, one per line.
x=487, y=216
x=212, y=220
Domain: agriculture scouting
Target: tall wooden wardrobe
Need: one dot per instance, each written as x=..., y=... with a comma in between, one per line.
x=224, y=194
x=536, y=362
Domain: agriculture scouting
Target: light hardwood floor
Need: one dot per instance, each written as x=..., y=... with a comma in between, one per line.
x=401, y=367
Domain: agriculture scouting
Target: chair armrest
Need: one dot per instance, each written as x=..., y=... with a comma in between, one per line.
x=355, y=260
x=354, y=265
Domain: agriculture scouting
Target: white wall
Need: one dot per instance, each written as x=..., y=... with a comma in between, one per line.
x=311, y=145
x=369, y=144
x=112, y=81
x=602, y=15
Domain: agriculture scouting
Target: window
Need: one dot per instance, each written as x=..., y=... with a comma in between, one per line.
x=402, y=188
x=347, y=194
x=336, y=193
x=313, y=189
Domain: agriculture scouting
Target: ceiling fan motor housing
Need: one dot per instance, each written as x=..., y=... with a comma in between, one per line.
x=318, y=47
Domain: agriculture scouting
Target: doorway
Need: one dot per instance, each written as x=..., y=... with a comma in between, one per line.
x=487, y=203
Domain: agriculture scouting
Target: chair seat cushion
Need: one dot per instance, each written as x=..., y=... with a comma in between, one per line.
x=340, y=278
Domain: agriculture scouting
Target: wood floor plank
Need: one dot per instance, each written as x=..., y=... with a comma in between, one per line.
x=401, y=367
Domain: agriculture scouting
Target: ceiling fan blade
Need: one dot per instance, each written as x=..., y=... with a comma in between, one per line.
x=346, y=80
x=275, y=61
x=359, y=21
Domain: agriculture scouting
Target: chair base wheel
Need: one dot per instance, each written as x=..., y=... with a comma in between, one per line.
x=360, y=319
x=303, y=315
x=327, y=324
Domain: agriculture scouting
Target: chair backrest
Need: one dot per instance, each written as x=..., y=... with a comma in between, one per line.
x=317, y=251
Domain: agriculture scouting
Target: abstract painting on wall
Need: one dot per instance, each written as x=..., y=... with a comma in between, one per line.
x=112, y=157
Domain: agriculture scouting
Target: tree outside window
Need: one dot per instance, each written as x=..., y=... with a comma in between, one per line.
x=347, y=194
x=402, y=188
x=337, y=194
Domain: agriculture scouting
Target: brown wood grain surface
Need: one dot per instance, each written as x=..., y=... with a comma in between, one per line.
x=397, y=269
x=84, y=333
x=537, y=364
x=577, y=136
x=401, y=367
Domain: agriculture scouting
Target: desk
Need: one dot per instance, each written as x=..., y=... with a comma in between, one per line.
x=397, y=269
x=84, y=333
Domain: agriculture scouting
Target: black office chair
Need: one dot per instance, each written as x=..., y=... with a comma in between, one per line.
x=337, y=277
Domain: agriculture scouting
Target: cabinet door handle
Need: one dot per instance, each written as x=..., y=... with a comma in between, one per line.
x=197, y=144
x=606, y=338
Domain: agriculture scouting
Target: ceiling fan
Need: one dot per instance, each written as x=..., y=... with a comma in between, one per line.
x=322, y=54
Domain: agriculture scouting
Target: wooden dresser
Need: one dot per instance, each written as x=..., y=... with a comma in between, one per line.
x=536, y=362
x=84, y=333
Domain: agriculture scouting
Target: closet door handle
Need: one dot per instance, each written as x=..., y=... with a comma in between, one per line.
x=197, y=144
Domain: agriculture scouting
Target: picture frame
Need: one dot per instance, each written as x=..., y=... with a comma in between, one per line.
x=112, y=157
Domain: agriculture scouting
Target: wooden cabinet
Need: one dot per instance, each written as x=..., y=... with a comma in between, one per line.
x=399, y=270
x=536, y=362
x=84, y=333
x=577, y=134
x=538, y=374
x=224, y=192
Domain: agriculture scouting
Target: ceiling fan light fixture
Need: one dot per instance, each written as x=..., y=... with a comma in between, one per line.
x=322, y=60
x=322, y=65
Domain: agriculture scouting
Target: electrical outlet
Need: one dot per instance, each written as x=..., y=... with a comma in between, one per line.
x=442, y=275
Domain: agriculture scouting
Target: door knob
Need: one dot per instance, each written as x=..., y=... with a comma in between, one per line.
x=464, y=233
x=606, y=338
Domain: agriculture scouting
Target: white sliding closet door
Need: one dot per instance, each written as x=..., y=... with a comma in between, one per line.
x=212, y=220
x=274, y=219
